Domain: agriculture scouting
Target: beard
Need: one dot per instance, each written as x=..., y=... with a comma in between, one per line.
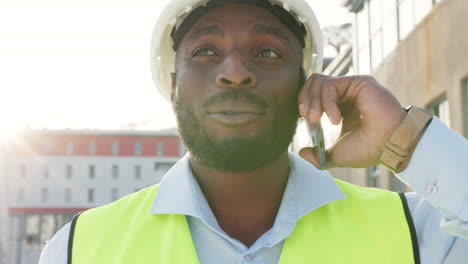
x=237, y=154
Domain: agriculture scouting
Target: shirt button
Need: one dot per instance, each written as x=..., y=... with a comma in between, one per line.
x=431, y=188
x=248, y=257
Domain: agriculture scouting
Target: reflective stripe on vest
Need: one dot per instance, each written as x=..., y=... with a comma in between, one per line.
x=369, y=226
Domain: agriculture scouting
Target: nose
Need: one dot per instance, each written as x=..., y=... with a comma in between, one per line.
x=235, y=74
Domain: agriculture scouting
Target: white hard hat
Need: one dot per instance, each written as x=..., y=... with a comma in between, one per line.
x=163, y=54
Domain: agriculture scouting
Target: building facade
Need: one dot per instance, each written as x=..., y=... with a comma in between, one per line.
x=52, y=175
x=417, y=50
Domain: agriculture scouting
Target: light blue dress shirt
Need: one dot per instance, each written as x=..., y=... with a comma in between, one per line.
x=439, y=208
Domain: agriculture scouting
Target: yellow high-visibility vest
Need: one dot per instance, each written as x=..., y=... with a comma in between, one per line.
x=369, y=226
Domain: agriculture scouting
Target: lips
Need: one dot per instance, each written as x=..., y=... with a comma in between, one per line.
x=235, y=113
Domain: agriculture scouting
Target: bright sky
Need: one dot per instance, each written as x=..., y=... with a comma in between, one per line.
x=85, y=64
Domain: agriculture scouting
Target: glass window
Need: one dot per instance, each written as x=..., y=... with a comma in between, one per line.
x=47, y=227
x=441, y=109
x=389, y=35
x=405, y=11
x=389, y=8
x=160, y=149
x=92, y=148
x=69, y=171
x=32, y=227
x=68, y=195
x=162, y=167
x=182, y=149
x=92, y=171
x=375, y=9
x=115, y=148
x=137, y=172
x=70, y=148
x=376, y=50
x=90, y=195
x=138, y=148
x=44, y=195
x=115, y=171
x=363, y=27
x=23, y=170
x=114, y=194
x=373, y=176
x=421, y=9
x=364, y=60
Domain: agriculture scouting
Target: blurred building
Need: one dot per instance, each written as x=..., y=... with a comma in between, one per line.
x=418, y=50
x=52, y=175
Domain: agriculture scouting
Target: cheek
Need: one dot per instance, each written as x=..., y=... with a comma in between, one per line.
x=283, y=85
x=192, y=87
x=193, y=80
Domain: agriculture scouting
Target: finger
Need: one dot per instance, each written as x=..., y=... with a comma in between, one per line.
x=310, y=154
x=309, y=98
x=329, y=97
x=339, y=154
x=303, y=99
x=316, y=109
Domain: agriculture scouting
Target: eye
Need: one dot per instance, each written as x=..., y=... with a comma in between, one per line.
x=268, y=53
x=204, y=51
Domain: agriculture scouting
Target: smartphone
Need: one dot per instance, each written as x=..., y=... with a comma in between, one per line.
x=316, y=134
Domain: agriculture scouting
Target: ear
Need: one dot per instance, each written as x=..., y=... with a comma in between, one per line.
x=174, y=85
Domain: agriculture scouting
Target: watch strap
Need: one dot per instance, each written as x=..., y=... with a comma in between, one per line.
x=398, y=148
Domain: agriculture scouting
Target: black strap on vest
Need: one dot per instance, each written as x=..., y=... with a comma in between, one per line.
x=414, y=237
x=70, y=238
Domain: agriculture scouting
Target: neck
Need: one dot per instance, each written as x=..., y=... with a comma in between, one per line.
x=244, y=203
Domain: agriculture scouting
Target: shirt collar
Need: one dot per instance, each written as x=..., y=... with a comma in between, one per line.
x=307, y=186
x=176, y=194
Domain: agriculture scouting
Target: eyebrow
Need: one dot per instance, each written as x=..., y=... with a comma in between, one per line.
x=258, y=29
x=264, y=29
x=206, y=30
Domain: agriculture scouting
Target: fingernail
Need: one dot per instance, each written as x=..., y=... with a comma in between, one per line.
x=303, y=110
x=334, y=120
x=313, y=112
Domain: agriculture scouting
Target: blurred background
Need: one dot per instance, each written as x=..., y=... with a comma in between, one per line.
x=82, y=125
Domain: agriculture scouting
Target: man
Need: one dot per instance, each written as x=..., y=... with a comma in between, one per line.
x=238, y=88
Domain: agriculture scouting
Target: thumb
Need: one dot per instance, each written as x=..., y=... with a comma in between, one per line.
x=353, y=150
x=310, y=154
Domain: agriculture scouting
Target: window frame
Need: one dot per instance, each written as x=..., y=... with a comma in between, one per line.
x=434, y=108
x=68, y=171
x=464, y=105
x=92, y=171
x=115, y=171
x=91, y=195
x=138, y=148
x=137, y=171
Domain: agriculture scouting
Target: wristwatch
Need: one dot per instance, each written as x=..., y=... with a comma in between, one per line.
x=399, y=147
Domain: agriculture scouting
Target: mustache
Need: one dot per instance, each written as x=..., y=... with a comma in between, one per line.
x=235, y=95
